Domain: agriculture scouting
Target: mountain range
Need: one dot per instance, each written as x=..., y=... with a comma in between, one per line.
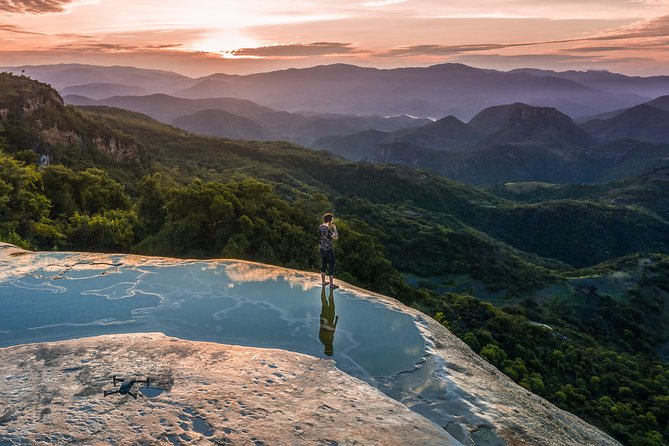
x=512, y=142
x=529, y=143
x=522, y=125
x=519, y=142
x=244, y=119
x=436, y=91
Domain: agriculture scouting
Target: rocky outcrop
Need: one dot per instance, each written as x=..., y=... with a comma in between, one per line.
x=40, y=114
x=55, y=136
x=213, y=394
x=121, y=151
x=543, y=126
x=32, y=104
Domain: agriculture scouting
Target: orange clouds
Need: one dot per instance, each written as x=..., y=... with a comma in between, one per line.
x=34, y=6
x=298, y=50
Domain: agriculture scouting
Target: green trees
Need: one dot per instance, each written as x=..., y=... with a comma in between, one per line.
x=61, y=208
x=24, y=209
x=243, y=219
x=625, y=393
x=112, y=230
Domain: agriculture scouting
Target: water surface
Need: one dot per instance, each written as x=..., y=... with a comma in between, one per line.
x=227, y=302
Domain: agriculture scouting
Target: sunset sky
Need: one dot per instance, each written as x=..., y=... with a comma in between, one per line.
x=200, y=37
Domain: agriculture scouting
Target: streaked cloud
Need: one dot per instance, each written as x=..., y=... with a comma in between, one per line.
x=640, y=30
x=591, y=49
x=16, y=30
x=34, y=6
x=656, y=27
x=297, y=50
x=446, y=50
x=376, y=4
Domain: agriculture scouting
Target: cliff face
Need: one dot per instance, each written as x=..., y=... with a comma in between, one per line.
x=120, y=150
x=40, y=121
x=241, y=394
x=545, y=126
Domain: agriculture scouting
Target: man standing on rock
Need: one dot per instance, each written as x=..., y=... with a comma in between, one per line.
x=327, y=233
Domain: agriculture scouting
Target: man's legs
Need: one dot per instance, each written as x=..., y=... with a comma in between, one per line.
x=331, y=261
x=324, y=263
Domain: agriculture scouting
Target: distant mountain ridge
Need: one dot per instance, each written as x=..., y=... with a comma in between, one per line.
x=166, y=108
x=651, y=86
x=436, y=91
x=533, y=140
x=519, y=142
x=642, y=122
x=244, y=119
x=103, y=90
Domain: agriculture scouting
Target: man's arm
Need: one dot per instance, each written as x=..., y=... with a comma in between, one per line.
x=335, y=236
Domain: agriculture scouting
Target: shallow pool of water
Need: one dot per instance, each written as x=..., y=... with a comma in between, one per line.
x=227, y=302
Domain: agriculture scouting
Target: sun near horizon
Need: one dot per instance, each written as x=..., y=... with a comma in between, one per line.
x=205, y=36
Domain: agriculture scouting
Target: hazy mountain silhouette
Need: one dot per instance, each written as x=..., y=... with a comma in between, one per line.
x=606, y=81
x=299, y=128
x=660, y=102
x=61, y=76
x=166, y=108
x=224, y=124
x=103, y=90
x=356, y=146
x=246, y=119
x=434, y=91
x=439, y=90
x=643, y=122
x=75, y=99
x=207, y=88
x=447, y=134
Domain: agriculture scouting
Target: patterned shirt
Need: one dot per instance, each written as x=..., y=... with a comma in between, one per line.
x=325, y=235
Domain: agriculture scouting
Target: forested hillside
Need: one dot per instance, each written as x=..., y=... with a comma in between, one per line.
x=580, y=283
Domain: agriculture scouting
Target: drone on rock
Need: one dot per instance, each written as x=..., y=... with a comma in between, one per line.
x=126, y=386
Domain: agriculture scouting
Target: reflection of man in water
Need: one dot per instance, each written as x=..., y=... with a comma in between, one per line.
x=328, y=321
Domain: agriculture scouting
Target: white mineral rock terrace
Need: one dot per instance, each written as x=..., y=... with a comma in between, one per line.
x=221, y=394
x=52, y=394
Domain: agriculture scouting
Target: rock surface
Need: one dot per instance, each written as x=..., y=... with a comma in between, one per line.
x=51, y=393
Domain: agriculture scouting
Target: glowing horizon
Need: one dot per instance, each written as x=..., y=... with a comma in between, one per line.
x=207, y=36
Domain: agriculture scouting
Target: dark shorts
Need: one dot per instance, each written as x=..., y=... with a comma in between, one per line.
x=327, y=258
